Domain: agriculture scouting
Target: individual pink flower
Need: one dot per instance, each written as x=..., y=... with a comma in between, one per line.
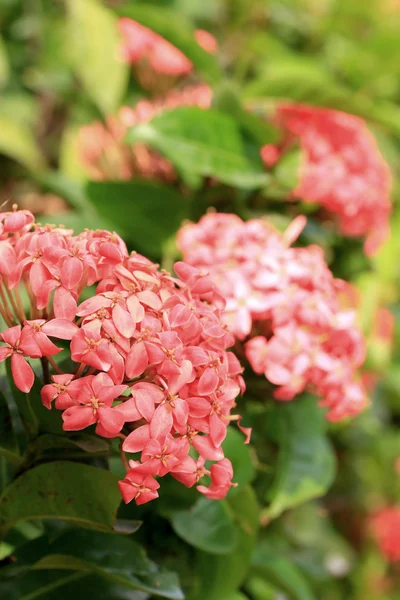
x=139, y=487
x=21, y=370
x=221, y=474
x=341, y=168
x=95, y=399
x=64, y=390
x=90, y=348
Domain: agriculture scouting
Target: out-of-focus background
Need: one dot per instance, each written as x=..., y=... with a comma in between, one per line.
x=70, y=93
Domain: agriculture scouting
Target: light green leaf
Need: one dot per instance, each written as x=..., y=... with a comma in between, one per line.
x=208, y=525
x=202, y=142
x=63, y=490
x=17, y=142
x=93, y=40
x=4, y=66
x=306, y=465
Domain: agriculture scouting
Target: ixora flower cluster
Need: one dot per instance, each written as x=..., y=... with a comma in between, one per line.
x=104, y=153
x=286, y=305
x=150, y=350
x=385, y=527
x=142, y=45
x=341, y=168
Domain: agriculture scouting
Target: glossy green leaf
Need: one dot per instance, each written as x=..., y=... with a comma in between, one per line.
x=63, y=490
x=222, y=575
x=116, y=558
x=306, y=464
x=64, y=585
x=144, y=212
x=93, y=42
x=202, y=142
x=208, y=525
x=174, y=27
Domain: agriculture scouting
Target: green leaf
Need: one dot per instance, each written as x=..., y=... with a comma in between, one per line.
x=281, y=572
x=63, y=490
x=202, y=142
x=64, y=585
x=93, y=41
x=4, y=66
x=144, y=212
x=306, y=465
x=240, y=457
x=208, y=525
x=9, y=453
x=116, y=558
x=17, y=142
x=226, y=98
x=221, y=575
x=173, y=26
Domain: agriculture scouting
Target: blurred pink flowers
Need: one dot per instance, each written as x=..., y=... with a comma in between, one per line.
x=341, y=168
x=285, y=304
x=106, y=156
x=385, y=527
x=141, y=44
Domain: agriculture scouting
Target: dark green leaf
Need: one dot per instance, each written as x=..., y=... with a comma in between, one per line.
x=64, y=585
x=144, y=212
x=208, y=525
x=306, y=465
x=202, y=142
x=62, y=490
x=116, y=558
x=222, y=575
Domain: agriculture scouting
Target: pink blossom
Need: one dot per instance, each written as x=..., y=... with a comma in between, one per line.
x=341, y=168
x=385, y=527
x=150, y=350
x=14, y=346
x=143, y=44
x=286, y=307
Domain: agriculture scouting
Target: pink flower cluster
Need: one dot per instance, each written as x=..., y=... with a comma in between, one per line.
x=106, y=156
x=150, y=352
x=285, y=304
x=385, y=526
x=141, y=44
x=341, y=169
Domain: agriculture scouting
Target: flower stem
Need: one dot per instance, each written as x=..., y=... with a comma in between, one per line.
x=45, y=368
